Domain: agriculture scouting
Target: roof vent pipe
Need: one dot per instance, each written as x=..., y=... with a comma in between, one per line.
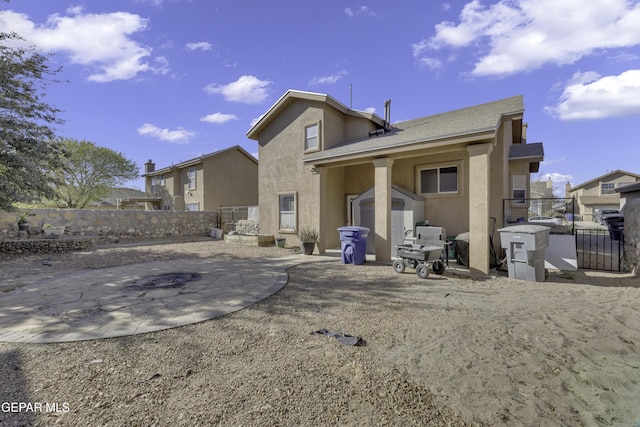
x=387, y=114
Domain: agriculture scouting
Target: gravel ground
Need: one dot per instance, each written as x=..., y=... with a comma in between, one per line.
x=445, y=351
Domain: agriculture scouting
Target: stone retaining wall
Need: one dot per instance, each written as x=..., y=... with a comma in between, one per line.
x=631, y=213
x=108, y=226
x=31, y=246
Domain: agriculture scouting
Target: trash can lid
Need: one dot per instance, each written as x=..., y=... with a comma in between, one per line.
x=353, y=228
x=525, y=228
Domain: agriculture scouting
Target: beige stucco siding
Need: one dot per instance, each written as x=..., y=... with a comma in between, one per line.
x=230, y=180
x=282, y=148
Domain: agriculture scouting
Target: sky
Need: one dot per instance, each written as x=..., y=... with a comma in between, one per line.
x=170, y=80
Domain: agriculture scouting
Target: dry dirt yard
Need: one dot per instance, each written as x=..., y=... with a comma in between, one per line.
x=445, y=351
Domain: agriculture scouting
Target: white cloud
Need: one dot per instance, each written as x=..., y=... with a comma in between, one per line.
x=328, y=79
x=255, y=121
x=219, y=118
x=518, y=35
x=359, y=11
x=178, y=136
x=247, y=89
x=101, y=42
x=199, y=45
x=591, y=96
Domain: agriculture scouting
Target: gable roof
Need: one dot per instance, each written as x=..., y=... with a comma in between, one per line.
x=617, y=171
x=197, y=160
x=293, y=95
x=440, y=129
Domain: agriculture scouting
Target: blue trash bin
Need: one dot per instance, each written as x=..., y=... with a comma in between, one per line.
x=354, y=244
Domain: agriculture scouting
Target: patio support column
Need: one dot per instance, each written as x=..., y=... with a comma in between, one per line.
x=382, y=232
x=320, y=217
x=479, y=197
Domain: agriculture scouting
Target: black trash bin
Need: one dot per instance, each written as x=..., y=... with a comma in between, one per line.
x=616, y=226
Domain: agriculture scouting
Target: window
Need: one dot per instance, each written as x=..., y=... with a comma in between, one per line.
x=193, y=206
x=191, y=176
x=161, y=180
x=519, y=189
x=287, y=212
x=311, y=137
x=439, y=180
x=607, y=187
x=154, y=185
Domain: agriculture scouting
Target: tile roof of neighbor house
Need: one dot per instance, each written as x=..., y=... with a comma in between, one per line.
x=439, y=128
x=617, y=171
x=200, y=159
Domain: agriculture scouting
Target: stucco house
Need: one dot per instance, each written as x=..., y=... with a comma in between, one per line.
x=600, y=193
x=227, y=177
x=318, y=155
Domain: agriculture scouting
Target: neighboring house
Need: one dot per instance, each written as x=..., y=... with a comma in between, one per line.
x=600, y=193
x=227, y=177
x=542, y=189
x=121, y=198
x=317, y=155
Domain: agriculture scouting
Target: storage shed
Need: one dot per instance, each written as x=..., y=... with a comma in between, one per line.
x=407, y=208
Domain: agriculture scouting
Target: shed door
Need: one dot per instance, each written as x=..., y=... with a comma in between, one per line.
x=368, y=219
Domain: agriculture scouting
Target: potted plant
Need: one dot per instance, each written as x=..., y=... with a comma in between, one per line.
x=280, y=241
x=308, y=236
x=23, y=223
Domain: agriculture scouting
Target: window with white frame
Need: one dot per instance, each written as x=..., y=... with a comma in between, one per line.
x=607, y=187
x=519, y=189
x=161, y=181
x=194, y=207
x=311, y=137
x=439, y=180
x=191, y=176
x=287, y=212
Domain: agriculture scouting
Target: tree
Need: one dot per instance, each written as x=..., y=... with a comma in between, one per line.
x=29, y=151
x=90, y=172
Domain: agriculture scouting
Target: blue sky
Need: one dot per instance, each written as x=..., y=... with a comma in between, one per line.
x=173, y=79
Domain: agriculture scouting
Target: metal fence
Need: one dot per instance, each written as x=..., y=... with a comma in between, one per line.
x=600, y=249
x=558, y=213
x=229, y=216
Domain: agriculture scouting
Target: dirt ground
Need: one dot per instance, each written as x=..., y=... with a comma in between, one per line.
x=448, y=350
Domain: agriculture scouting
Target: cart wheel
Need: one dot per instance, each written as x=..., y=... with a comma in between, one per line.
x=422, y=271
x=438, y=267
x=398, y=266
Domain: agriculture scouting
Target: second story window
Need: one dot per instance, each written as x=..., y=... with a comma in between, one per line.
x=607, y=187
x=191, y=176
x=154, y=185
x=311, y=137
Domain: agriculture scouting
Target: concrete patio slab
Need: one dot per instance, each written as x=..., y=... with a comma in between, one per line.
x=139, y=298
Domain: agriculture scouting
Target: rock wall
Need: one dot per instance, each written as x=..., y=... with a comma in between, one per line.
x=40, y=246
x=107, y=225
x=631, y=213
